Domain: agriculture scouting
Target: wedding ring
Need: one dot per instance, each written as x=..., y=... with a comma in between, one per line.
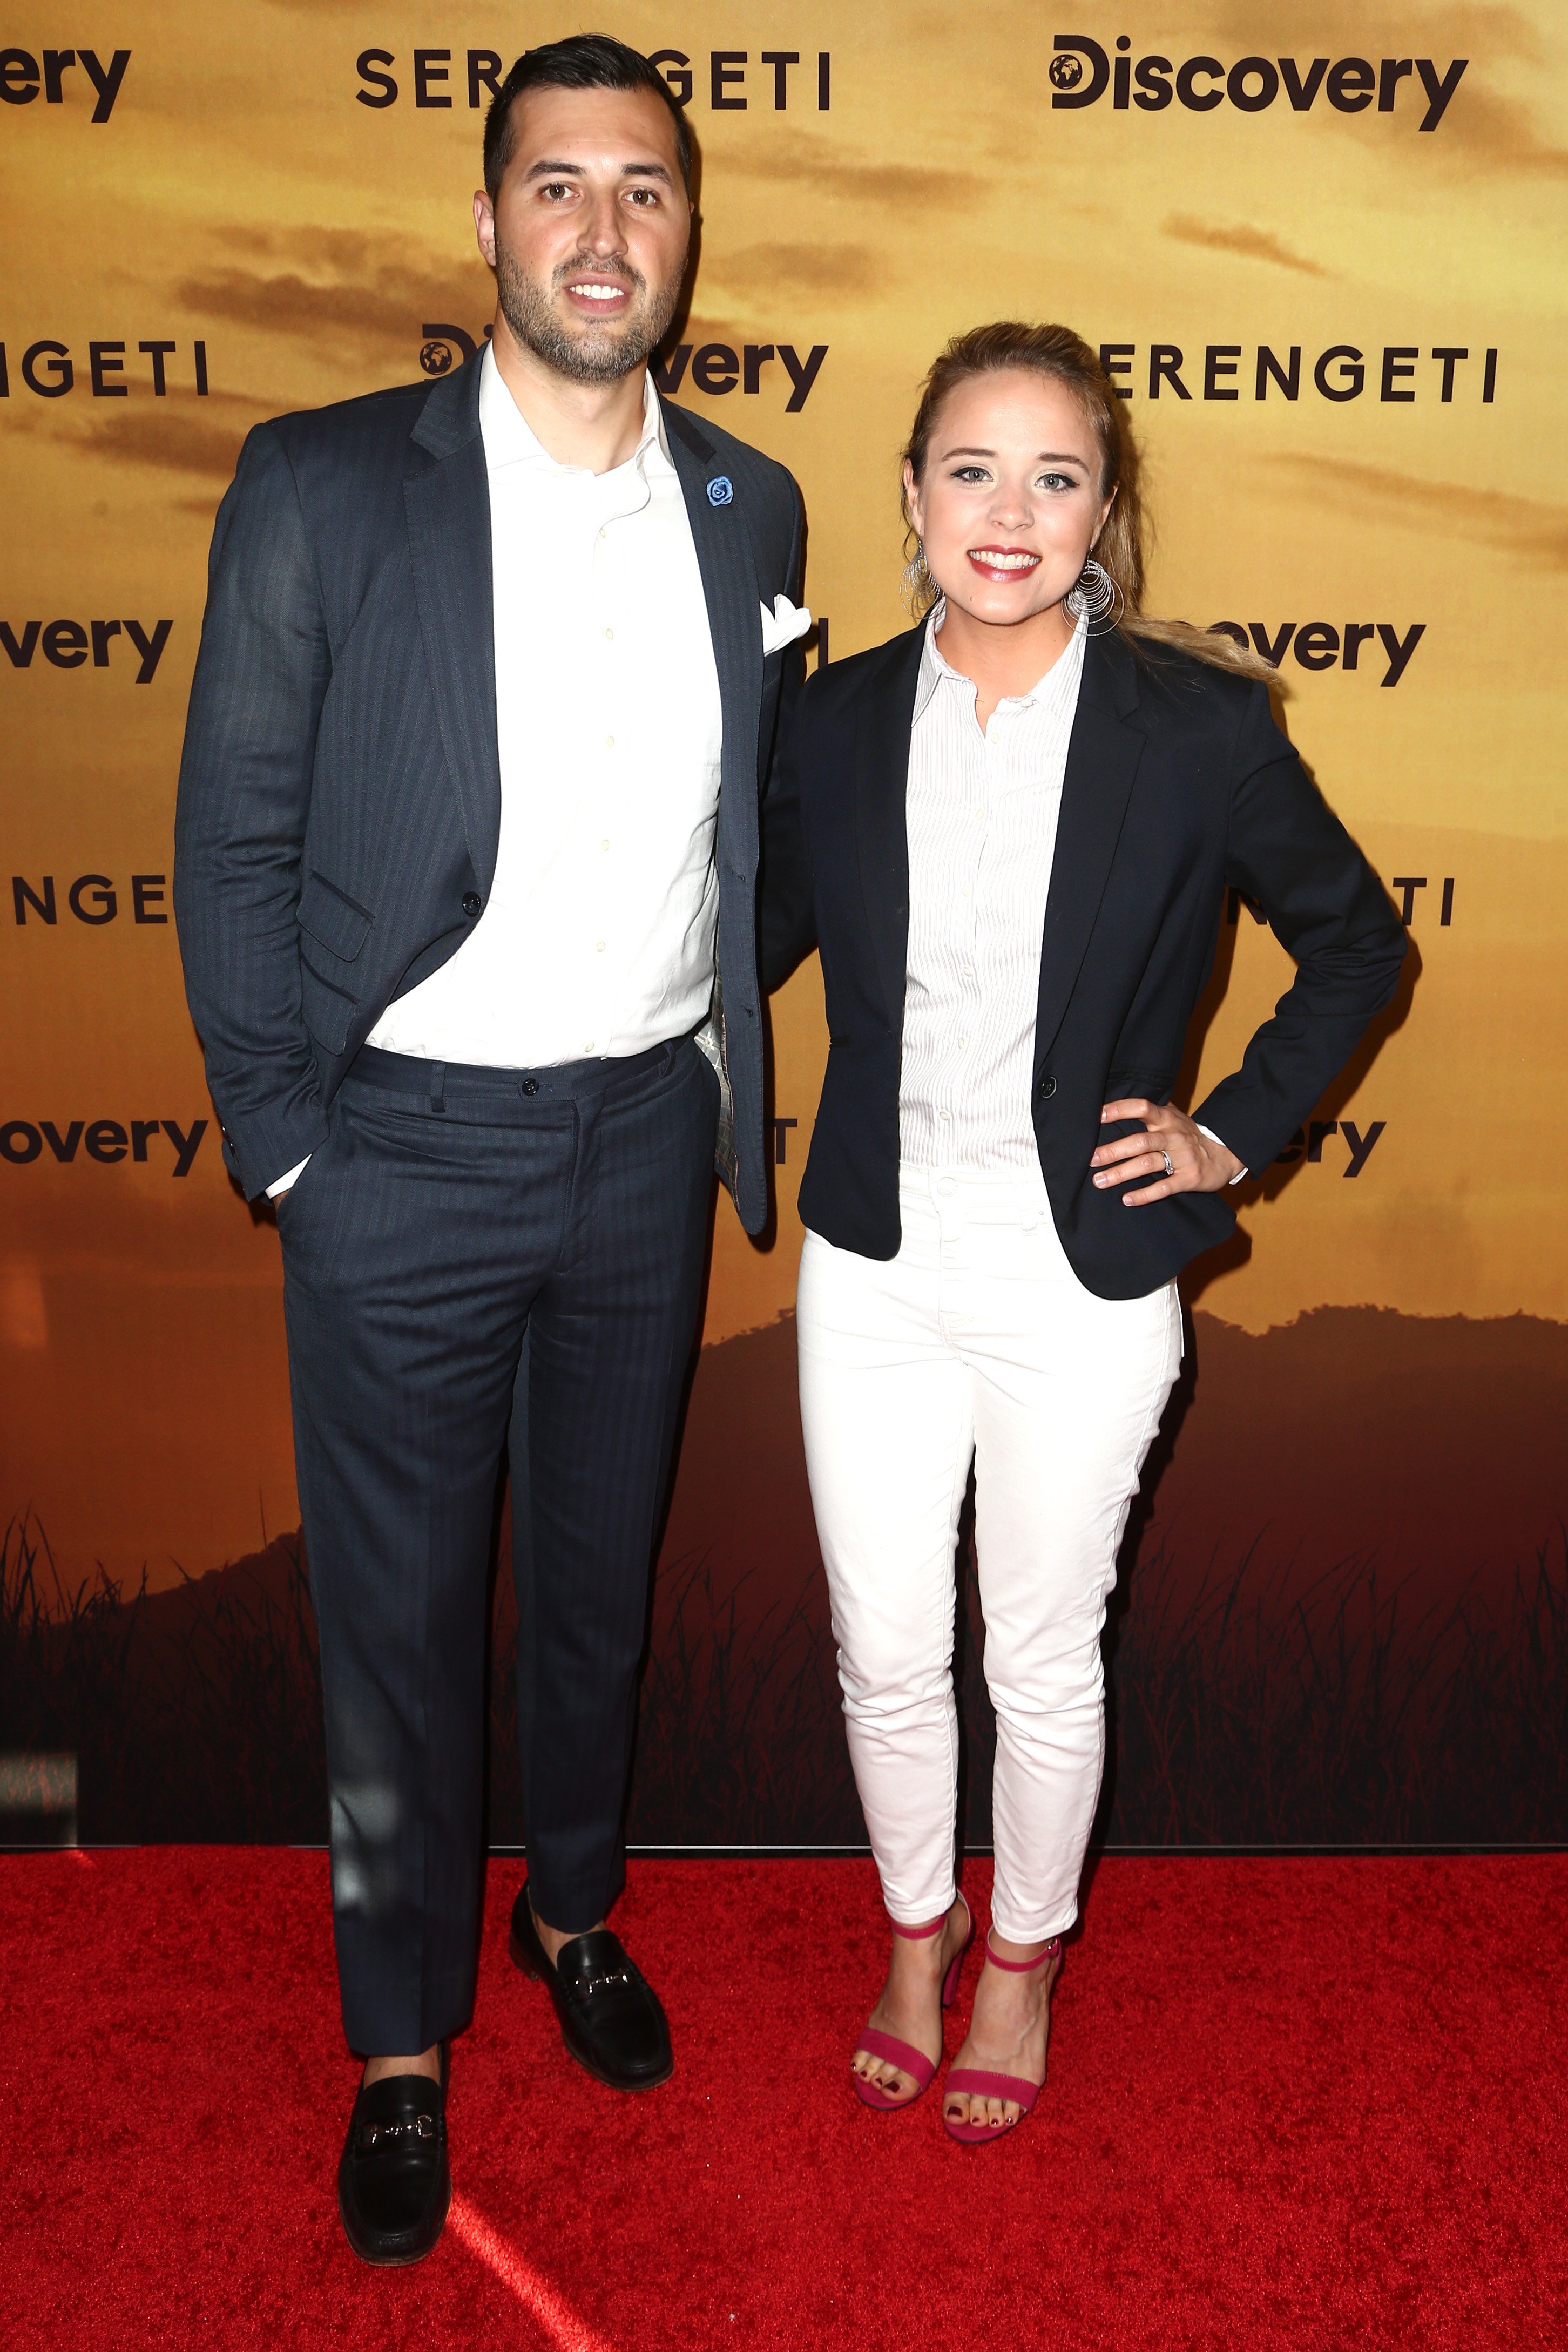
x=1170, y=1163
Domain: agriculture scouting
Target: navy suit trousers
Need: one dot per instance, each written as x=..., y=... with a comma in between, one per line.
x=480, y=1262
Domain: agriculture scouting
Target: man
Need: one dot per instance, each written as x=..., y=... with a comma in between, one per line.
x=466, y=857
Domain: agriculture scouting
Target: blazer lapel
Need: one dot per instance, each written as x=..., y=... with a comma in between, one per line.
x=727, y=560
x=881, y=826
x=447, y=499
x=1102, y=762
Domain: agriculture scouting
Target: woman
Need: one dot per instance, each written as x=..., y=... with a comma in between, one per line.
x=1009, y=832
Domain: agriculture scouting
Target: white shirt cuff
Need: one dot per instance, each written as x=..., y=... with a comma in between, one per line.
x=1202, y=1131
x=276, y=1191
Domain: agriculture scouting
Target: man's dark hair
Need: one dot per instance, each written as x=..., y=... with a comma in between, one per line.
x=583, y=61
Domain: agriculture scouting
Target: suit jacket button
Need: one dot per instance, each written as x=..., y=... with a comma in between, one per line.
x=1048, y=1088
x=472, y=902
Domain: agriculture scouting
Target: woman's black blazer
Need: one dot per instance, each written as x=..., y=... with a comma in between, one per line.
x=1177, y=783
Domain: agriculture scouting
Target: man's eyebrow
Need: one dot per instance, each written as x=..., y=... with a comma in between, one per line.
x=553, y=169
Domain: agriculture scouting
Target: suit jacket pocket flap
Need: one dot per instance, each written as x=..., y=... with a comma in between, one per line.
x=339, y=924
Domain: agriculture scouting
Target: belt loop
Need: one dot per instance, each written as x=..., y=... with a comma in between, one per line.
x=438, y=1088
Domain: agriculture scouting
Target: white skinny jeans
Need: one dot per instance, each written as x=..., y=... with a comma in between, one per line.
x=976, y=1341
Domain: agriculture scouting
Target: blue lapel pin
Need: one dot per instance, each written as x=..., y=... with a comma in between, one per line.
x=720, y=490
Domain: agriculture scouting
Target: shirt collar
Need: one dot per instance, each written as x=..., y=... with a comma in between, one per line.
x=510, y=440
x=936, y=670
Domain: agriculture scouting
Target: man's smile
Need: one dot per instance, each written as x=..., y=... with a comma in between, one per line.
x=599, y=296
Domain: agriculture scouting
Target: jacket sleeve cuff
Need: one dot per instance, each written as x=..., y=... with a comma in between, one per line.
x=258, y=1146
x=1231, y=1116
x=1202, y=1131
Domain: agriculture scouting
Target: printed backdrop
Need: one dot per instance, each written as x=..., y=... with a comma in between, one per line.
x=1320, y=247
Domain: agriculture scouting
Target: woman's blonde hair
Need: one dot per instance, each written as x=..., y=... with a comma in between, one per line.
x=1058, y=353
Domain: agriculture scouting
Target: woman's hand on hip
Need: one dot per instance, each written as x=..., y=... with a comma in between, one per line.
x=1179, y=1156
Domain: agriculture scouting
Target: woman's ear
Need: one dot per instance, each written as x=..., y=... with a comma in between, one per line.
x=912, y=499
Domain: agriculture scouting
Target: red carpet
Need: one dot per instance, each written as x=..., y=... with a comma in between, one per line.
x=1291, y=2103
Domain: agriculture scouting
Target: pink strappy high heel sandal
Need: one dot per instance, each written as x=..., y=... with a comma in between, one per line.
x=978, y=2082
x=903, y=2055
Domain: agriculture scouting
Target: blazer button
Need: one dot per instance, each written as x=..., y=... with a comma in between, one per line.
x=472, y=902
x=1046, y=1088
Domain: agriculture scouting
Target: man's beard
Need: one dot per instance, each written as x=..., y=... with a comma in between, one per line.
x=597, y=355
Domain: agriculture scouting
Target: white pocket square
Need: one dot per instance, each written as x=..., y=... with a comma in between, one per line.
x=782, y=625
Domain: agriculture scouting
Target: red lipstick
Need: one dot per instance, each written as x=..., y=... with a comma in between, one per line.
x=1023, y=563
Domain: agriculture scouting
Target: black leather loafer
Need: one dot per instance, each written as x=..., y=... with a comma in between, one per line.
x=393, y=2184
x=611, y=2020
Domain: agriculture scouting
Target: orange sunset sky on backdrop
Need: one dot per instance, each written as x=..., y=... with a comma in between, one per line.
x=241, y=194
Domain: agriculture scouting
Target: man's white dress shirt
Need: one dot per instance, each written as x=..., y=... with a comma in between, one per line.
x=598, y=935
x=982, y=814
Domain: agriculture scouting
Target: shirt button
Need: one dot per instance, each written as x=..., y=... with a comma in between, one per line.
x=944, y=1114
x=604, y=845
x=965, y=887
x=589, y=1047
x=963, y=1041
x=969, y=971
x=609, y=742
x=609, y=633
x=599, y=946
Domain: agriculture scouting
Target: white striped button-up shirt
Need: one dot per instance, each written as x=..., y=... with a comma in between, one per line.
x=981, y=813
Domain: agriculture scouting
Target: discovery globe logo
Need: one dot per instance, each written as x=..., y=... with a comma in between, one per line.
x=444, y=348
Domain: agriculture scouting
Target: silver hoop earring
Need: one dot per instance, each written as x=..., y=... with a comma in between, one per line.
x=1095, y=599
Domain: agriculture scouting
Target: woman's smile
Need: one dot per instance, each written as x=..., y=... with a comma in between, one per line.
x=1001, y=563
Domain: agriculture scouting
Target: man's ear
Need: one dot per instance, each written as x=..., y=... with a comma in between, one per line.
x=485, y=225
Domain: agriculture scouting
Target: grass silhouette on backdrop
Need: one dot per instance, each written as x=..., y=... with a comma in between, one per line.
x=1240, y=1716
x=1342, y=1619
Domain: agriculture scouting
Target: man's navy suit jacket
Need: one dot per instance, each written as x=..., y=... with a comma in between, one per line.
x=339, y=792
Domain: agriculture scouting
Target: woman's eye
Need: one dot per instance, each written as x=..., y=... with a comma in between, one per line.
x=1058, y=482
x=970, y=473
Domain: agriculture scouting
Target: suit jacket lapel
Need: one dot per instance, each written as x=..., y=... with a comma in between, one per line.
x=446, y=499
x=727, y=560
x=882, y=791
x=1102, y=762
